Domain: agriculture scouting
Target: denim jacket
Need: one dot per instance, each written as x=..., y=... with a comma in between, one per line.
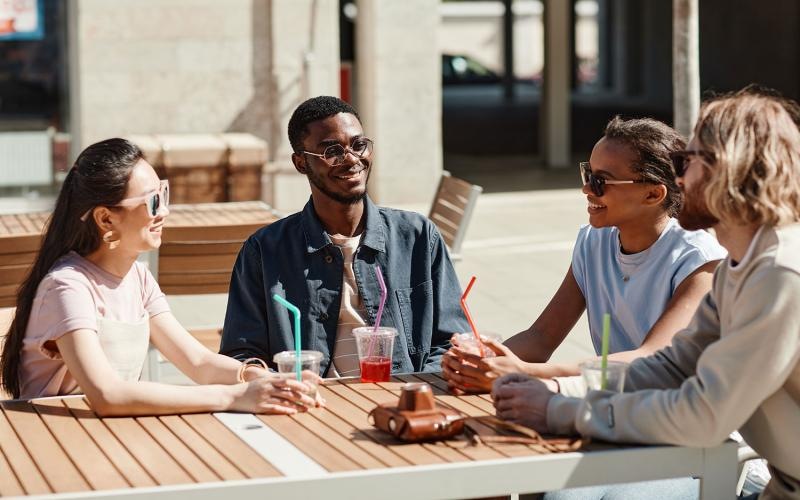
x=294, y=257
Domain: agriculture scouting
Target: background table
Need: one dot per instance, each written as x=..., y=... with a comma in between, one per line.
x=57, y=445
x=199, y=246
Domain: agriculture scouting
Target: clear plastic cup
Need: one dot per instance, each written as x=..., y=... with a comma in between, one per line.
x=309, y=360
x=375, y=352
x=468, y=343
x=615, y=375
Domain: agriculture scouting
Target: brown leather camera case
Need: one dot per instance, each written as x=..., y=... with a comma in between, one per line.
x=417, y=417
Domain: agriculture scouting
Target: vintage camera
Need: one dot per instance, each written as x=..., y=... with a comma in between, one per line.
x=417, y=417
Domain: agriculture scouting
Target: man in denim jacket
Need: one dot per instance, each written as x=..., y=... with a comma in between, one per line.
x=323, y=260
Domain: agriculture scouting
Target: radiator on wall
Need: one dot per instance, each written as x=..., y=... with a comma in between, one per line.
x=26, y=158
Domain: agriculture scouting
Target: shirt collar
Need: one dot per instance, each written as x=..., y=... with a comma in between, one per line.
x=317, y=238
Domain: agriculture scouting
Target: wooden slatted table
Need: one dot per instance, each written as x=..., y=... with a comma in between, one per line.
x=199, y=246
x=200, y=243
x=20, y=238
x=58, y=446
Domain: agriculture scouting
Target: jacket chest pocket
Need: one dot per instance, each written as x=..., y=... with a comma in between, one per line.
x=416, y=314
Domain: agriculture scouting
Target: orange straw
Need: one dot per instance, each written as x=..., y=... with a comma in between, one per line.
x=469, y=316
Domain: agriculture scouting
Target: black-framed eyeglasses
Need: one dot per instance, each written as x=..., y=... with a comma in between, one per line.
x=596, y=183
x=335, y=154
x=680, y=160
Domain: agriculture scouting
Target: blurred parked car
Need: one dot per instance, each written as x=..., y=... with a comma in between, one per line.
x=460, y=69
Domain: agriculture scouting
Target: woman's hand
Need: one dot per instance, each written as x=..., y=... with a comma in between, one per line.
x=467, y=372
x=522, y=400
x=284, y=396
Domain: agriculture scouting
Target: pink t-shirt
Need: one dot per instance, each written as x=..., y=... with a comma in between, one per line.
x=72, y=296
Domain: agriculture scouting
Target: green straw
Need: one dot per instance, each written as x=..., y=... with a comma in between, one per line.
x=296, y=313
x=604, y=352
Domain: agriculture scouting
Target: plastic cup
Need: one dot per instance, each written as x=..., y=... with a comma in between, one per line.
x=615, y=375
x=467, y=342
x=309, y=360
x=375, y=352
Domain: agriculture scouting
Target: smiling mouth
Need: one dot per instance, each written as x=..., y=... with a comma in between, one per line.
x=596, y=206
x=350, y=175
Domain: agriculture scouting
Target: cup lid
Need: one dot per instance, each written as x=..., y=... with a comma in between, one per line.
x=305, y=356
x=383, y=331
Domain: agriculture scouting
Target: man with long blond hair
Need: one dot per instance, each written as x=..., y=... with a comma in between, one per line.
x=737, y=364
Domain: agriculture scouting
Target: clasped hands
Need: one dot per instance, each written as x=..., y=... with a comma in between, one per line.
x=282, y=394
x=518, y=398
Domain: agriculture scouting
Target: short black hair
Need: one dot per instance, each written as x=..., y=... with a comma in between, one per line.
x=314, y=109
x=651, y=141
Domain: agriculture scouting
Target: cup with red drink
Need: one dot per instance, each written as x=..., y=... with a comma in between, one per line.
x=375, y=352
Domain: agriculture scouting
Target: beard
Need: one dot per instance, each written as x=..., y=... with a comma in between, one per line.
x=694, y=214
x=319, y=182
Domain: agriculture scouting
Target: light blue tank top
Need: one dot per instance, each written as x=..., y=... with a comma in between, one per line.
x=636, y=288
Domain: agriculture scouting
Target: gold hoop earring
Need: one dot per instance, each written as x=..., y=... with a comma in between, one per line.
x=112, y=239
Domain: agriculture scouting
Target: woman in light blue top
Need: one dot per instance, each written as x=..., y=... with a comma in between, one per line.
x=633, y=261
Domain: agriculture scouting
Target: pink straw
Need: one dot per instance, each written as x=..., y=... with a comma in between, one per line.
x=382, y=284
x=469, y=316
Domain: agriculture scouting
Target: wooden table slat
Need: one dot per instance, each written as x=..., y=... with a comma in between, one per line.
x=130, y=469
x=157, y=462
x=21, y=464
x=202, y=448
x=250, y=463
x=360, y=432
x=9, y=484
x=485, y=402
x=379, y=395
x=473, y=452
x=28, y=224
x=52, y=460
x=196, y=468
x=474, y=399
x=312, y=445
x=338, y=442
x=13, y=225
x=99, y=472
x=461, y=404
x=417, y=454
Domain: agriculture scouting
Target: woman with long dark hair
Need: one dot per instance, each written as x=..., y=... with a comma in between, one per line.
x=87, y=309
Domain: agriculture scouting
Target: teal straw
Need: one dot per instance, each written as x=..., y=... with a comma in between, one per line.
x=604, y=352
x=296, y=313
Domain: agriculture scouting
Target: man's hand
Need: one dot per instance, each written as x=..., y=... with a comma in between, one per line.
x=467, y=372
x=522, y=400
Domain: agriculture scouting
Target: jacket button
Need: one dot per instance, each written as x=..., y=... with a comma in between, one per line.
x=328, y=259
x=323, y=316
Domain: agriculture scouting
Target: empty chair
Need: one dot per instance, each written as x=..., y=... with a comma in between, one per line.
x=452, y=209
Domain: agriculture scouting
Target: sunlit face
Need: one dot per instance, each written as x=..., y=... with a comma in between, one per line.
x=345, y=183
x=620, y=203
x=139, y=231
x=694, y=212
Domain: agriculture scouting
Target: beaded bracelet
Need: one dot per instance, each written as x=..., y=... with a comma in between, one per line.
x=249, y=362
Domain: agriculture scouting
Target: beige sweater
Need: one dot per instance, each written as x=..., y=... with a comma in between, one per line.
x=735, y=367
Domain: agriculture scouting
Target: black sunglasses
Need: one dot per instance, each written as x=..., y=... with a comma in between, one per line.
x=680, y=160
x=596, y=183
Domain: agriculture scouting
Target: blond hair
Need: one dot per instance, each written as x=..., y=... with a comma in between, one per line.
x=755, y=174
